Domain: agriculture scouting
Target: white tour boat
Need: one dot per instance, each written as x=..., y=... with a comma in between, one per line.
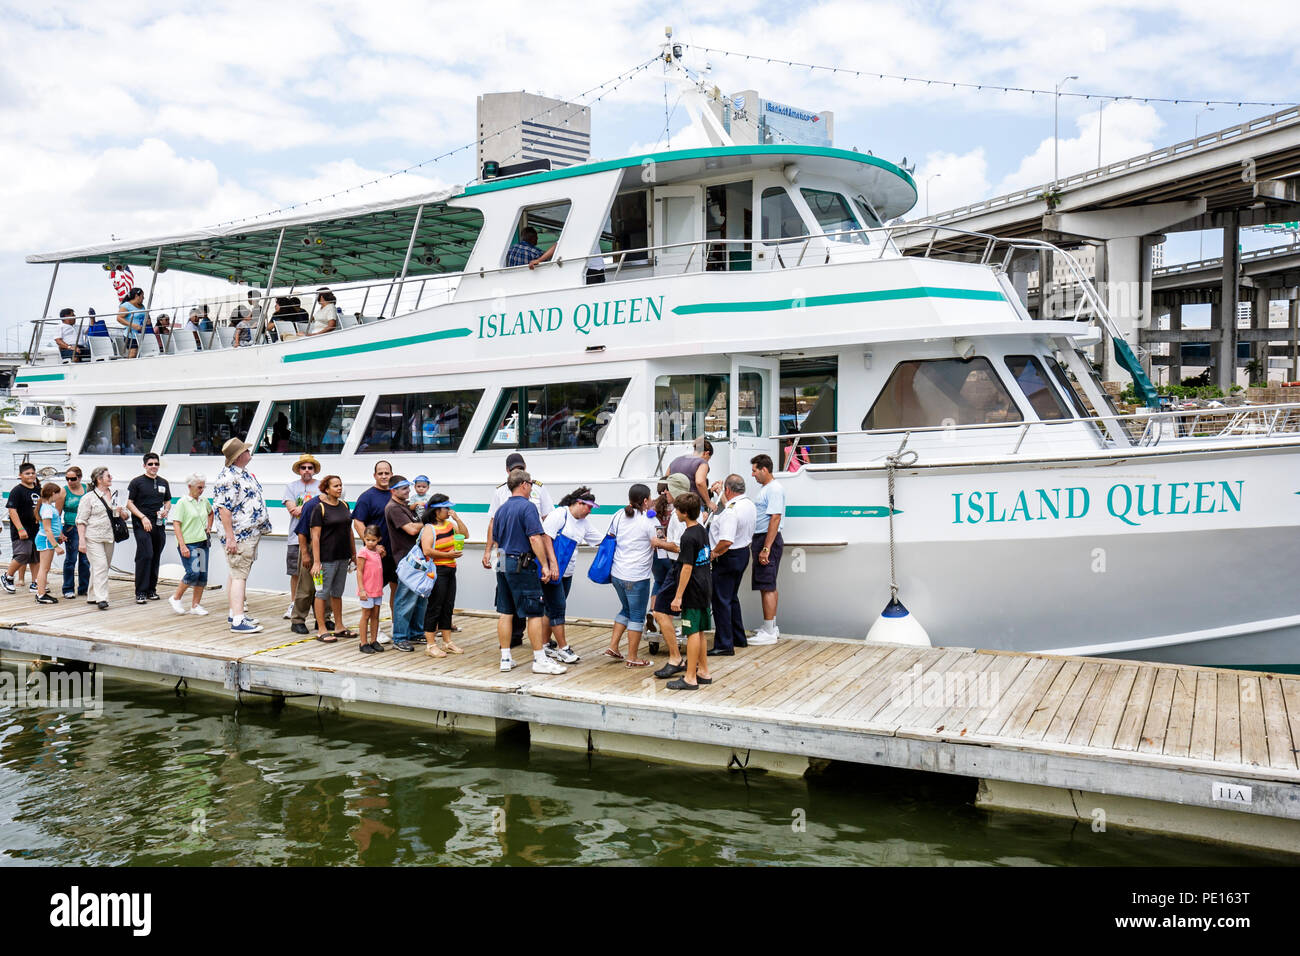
x=754, y=296
x=40, y=421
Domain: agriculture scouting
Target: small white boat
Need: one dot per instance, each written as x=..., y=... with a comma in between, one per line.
x=40, y=421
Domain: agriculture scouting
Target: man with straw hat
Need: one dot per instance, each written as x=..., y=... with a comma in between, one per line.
x=298, y=492
x=237, y=496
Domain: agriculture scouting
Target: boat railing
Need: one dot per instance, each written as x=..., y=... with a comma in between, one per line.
x=363, y=302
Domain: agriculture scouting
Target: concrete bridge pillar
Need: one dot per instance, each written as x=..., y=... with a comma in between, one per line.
x=1124, y=293
x=1176, y=348
x=1227, y=350
x=1293, y=330
x=1259, y=320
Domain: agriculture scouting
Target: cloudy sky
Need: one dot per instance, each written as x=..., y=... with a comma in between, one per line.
x=139, y=118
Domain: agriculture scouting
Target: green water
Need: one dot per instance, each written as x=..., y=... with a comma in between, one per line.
x=160, y=779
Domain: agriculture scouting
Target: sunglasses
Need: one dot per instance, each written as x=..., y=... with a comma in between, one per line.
x=306, y=467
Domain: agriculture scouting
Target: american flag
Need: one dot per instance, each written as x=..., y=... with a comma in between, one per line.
x=122, y=280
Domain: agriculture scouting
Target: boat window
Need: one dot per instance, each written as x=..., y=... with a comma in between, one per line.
x=690, y=406
x=1032, y=379
x=1068, y=387
x=547, y=221
x=316, y=425
x=729, y=215
x=939, y=392
x=566, y=415
x=123, y=429
x=628, y=227
x=781, y=219
x=833, y=214
x=203, y=429
x=420, y=422
x=866, y=213
x=807, y=399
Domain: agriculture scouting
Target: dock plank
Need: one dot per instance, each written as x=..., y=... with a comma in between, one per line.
x=1012, y=698
x=1254, y=735
x=1129, y=733
x=1072, y=703
x=1182, y=712
x=1227, y=729
x=1041, y=716
x=1281, y=748
x=1204, y=717
x=1112, y=709
x=1080, y=732
x=1157, y=723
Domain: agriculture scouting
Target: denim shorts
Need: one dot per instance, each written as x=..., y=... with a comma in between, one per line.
x=519, y=592
x=555, y=596
x=371, y=601
x=196, y=565
x=632, y=595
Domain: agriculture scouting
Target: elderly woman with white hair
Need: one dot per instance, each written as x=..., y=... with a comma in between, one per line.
x=192, y=526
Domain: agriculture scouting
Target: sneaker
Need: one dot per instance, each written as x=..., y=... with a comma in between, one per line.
x=546, y=666
x=565, y=655
x=367, y=648
x=243, y=627
x=154, y=596
x=7, y=583
x=247, y=620
x=384, y=638
x=102, y=605
x=200, y=610
x=46, y=599
x=763, y=638
x=507, y=664
x=141, y=599
x=377, y=648
x=403, y=645
x=68, y=595
x=177, y=606
x=32, y=587
x=299, y=628
x=288, y=614
x=419, y=639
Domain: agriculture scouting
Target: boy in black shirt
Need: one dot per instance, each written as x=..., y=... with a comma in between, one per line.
x=23, y=498
x=694, y=593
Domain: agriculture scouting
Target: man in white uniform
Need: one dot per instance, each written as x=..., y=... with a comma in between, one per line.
x=730, y=533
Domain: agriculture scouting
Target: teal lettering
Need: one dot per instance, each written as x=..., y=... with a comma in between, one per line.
x=1070, y=512
x=631, y=309
x=480, y=326
x=1021, y=505
x=1128, y=503
x=535, y=320
x=602, y=320
x=1143, y=510
x=1053, y=505
x=977, y=509
x=520, y=327
x=956, y=506
x=992, y=519
x=554, y=319
x=618, y=310
x=656, y=308
x=582, y=318
x=1201, y=498
x=1229, y=496
x=1173, y=498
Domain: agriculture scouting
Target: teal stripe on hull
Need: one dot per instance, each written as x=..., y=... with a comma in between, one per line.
x=845, y=298
x=377, y=346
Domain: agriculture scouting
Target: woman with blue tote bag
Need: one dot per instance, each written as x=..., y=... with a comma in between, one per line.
x=631, y=572
x=568, y=527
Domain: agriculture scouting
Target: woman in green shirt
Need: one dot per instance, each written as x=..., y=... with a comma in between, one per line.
x=76, y=566
x=192, y=525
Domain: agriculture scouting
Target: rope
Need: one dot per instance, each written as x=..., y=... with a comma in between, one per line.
x=899, y=459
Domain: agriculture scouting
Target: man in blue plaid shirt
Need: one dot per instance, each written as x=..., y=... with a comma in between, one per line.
x=525, y=250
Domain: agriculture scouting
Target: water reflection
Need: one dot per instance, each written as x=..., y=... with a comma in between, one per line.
x=165, y=780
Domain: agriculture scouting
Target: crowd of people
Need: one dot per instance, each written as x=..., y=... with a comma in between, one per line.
x=286, y=320
x=678, y=557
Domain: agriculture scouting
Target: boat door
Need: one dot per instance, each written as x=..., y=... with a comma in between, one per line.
x=754, y=404
x=679, y=220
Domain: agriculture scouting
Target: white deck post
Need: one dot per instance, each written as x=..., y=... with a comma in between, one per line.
x=406, y=263
x=260, y=333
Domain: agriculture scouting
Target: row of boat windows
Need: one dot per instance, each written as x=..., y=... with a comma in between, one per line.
x=568, y=415
x=917, y=394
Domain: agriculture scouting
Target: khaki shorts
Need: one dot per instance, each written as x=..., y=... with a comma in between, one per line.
x=241, y=562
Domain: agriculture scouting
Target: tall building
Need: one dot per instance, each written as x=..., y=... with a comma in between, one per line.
x=752, y=120
x=517, y=127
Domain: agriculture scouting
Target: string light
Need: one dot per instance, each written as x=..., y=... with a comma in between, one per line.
x=1180, y=101
x=616, y=81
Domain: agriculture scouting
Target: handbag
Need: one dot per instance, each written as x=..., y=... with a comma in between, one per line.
x=413, y=572
x=602, y=566
x=564, y=548
x=118, y=523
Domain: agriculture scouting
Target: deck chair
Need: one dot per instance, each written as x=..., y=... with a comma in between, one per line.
x=101, y=348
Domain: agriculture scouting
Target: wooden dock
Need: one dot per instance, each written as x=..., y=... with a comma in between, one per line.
x=1196, y=751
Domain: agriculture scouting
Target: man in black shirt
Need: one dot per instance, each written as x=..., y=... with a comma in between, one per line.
x=148, y=498
x=23, y=498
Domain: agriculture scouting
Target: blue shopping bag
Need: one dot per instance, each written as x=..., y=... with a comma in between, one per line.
x=564, y=546
x=602, y=566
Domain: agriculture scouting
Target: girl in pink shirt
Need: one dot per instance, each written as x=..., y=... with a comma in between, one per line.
x=370, y=589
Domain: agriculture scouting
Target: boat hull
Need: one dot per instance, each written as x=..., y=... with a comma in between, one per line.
x=38, y=432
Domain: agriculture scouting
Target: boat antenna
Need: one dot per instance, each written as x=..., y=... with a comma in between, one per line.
x=696, y=95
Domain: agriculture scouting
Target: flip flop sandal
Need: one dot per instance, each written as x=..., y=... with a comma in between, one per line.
x=433, y=650
x=613, y=654
x=639, y=663
x=451, y=648
x=328, y=638
x=347, y=633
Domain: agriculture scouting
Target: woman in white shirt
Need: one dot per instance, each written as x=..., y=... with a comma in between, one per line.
x=569, y=520
x=632, y=572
